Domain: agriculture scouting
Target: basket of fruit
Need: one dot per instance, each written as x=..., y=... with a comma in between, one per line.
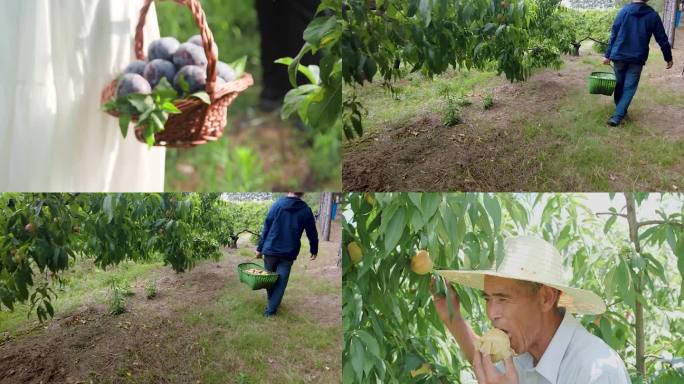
x=602, y=83
x=255, y=276
x=178, y=95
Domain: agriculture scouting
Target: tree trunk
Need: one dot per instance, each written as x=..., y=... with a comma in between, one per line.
x=669, y=11
x=576, y=48
x=638, y=308
x=324, y=215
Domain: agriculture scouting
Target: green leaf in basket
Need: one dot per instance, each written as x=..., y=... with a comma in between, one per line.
x=164, y=90
x=202, y=95
x=239, y=66
x=170, y=107
x=124, y=121
x=185, y=87
x=109, y=106
x=141, y=102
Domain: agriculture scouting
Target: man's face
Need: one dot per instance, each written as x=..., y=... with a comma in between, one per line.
x=513, y=308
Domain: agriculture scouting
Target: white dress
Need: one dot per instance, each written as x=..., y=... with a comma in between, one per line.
x=55, y=58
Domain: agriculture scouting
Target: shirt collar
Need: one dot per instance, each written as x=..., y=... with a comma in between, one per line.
x=549, y=364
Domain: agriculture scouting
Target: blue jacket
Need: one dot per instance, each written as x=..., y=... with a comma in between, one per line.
x=631, y=33
x=287, y=219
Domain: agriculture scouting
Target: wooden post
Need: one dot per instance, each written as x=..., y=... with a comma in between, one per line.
x=324, y=215
x=669, y=11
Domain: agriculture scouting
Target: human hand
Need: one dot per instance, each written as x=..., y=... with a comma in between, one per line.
x=486, y=372
x=440, y=302
x=313, y=257
x=258, y=255
x=606, y=61
x=669, y=64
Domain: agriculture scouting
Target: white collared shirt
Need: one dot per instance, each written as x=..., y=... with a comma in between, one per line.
x=574, y=356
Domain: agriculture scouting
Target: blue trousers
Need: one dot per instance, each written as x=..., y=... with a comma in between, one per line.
x=275, y=294
x=627, y=76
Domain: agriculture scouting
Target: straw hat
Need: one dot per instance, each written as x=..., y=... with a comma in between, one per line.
x=533, y=259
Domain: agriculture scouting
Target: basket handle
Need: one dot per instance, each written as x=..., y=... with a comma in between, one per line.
x=205, y=33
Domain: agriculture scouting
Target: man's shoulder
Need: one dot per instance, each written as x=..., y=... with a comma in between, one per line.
x=589, y=355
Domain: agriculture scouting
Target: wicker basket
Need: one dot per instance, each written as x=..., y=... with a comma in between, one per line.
x=198, y=123
x=256, y=281
x=602, y=83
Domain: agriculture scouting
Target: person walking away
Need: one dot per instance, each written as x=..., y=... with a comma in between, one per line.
x=628, y=49
x=280, y=242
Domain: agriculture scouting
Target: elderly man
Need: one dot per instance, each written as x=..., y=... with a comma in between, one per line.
x=528, y=299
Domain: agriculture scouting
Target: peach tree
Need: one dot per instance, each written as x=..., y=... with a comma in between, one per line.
x=44, y=234
x=392, y=333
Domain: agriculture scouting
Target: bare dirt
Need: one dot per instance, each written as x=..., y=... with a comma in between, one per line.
x=490, y=151
x=150, y=339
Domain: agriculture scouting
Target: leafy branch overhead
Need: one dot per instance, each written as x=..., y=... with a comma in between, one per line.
x=389, y=39
x=392, y=332
x=318, y=103
x=42, y=235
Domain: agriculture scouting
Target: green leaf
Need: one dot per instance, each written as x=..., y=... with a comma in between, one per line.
x=395, y=228
x=239, y=66
x=124, y=122
x=141, y=102
x=494, y=209
x=309, y=71
x=357, y=358
x=170, y=107
x=109, y=106
x=202, y=95
x=322, y=31
x=609, y=223
x=370, y=342
x=107, y=207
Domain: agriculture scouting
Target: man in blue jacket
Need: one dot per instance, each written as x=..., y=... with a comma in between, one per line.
x=628, y=49
x=280, y=242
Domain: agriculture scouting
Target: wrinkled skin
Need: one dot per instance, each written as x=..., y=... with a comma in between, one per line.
x=526, y=317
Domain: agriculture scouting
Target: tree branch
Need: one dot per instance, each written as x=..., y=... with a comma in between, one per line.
x=611, y=214
x=658, y=222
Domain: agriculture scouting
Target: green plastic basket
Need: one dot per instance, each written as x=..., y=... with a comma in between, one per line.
x=256, y=281
x=602, y=83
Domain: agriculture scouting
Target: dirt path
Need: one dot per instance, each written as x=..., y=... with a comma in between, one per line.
x=150, y=343
x=493, y=149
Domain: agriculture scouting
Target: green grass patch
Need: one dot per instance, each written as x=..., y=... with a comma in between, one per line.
x=415, y=94
x=83, y=283
x=589, y=155
x=241, y=346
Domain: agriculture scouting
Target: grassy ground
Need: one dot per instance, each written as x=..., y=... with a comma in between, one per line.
x=204, y=326
x=544, y=134
x=81, y=284
x=259, y=151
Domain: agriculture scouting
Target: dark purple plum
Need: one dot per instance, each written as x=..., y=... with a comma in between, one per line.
x=163, y=48
x=157, y=69
x=225, y=71
x=189, y=54
x=137, y=66
x=132, y=83
x=197, y=40
x=194, y=75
